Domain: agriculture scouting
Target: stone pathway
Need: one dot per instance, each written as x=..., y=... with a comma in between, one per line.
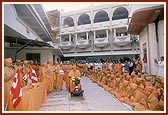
x=61, y=101
x=101, y=100
x=96, y=99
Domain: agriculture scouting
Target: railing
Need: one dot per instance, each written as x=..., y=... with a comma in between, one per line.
x=122, y=40
x=101, y=40
x=66, y=45
x=82, y=43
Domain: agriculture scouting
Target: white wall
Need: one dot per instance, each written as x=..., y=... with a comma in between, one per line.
x=162, y=38
x=148, y=35
x=154, y=51
x=144, y=39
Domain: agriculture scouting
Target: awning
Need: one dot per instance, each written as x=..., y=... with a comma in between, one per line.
x=23, y=41
x=143, y=17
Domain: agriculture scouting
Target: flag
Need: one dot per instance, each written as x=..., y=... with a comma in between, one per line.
x=16, y=89
x=26, y=76
x=34, y=78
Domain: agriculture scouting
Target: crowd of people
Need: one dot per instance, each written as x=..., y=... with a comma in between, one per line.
x=127, y=81
x=131, y=83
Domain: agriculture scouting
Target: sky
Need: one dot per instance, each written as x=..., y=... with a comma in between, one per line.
x=69, y=6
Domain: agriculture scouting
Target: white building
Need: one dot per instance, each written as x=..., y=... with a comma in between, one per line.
x=147, y=21
x=27, y=33
x=105, y=31
x=99, y=32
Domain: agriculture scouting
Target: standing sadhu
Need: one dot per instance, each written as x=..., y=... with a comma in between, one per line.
x=44, y=77
x=114, y=67
x=32, y=74
x=18, y=66
x=9, y=73
x=139, y=65
x=74, y=73
x=26, y=72
x=42, y=71
x=55, y=85
x=119, y=68
x=68, y=68
x=50, y=75
x=60, y=75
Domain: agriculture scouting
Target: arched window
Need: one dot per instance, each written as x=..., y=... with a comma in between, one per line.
x=101, y=16
x=84, y=19
x=68, y=22
x=120, y=13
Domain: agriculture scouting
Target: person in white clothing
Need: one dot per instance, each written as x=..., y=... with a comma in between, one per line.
x=160, y=65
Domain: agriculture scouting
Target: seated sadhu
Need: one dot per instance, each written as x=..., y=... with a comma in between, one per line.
x=152, y=98
x=133, y=88
x=149, y=101
x=160, y=92
x=139, y=92
x=101, y=78
x=123, y=94
x=137, y=99
x=113, y=82
x=133, y=77
x=9, y=73
x=140, y=87
x=98, y=77
x=74, y=73
x=107, y=84
x=115, y=91
x=159, y=82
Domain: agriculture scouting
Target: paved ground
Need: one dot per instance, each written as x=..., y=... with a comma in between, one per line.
x=96, y=99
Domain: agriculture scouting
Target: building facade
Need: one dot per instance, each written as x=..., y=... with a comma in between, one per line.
x=148, y=21
x=54, y=19
x=99, y=32
x=27, y=34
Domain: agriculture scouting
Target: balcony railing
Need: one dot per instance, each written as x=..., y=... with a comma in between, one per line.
x=66, y=45
x=122, y=40
x=82, y=43
x=101, y=42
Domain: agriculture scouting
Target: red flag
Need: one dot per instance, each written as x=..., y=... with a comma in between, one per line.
x=34, y=78
x=16, y=89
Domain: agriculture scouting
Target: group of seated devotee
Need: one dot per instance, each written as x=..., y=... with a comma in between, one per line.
x=136, y=89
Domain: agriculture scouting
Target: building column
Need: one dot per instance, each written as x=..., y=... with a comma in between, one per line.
x=60, y=39
x=94, y=35
x=69, y=37
x=114, y=33
x=87, y=37
x=107, y=33
x=76, y=36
